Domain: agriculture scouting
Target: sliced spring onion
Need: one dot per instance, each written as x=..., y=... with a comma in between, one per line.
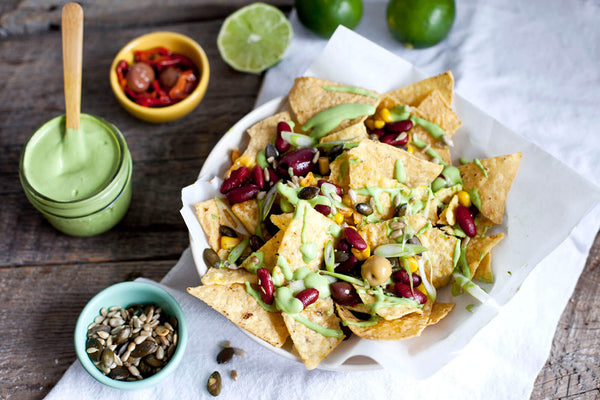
x=343, y=277
x=462, y=282
x=399, y=250
x=329, y=257
x=268, y=202
x=297, y=286
x=297, y=139
x=226, y=211
x=431, y=292
x=237, y=251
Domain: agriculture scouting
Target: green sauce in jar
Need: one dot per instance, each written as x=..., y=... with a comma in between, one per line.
x=79, y=180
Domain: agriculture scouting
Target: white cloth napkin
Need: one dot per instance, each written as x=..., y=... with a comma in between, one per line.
x=533, y=66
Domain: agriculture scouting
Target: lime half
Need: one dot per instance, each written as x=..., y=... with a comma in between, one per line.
x=254, y=38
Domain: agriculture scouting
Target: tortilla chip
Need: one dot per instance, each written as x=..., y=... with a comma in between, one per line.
x=402, y=328
x=307, y=98
x=353, y=133
x=447, y=216
x=247, y=213
x=282, y=220
x=261, y=134
x=243, y=310
x=414, y=94
x=269, y=251
x=439, y=311
x=416, y=221
x=313, y=347
x=372, y=164
x=209, y=217
x=501, y=172
x=484, y=270
x=440, y=249
x=478, y=247
x=314, y=225
x=375, y=234
x=388, y=313
x=227, y=277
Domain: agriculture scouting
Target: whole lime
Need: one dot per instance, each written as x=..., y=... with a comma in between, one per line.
x=420, y=23
x=323, y=16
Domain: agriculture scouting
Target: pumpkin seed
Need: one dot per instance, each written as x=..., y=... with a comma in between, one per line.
x=227, y=231
x=119, y=372
x=308, y=192
x=211, y=258
x=364, y=208
x=214, y=384
x=225, y=355
x=144, y=348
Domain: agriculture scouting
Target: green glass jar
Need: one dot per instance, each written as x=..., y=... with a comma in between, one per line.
x=79, y=180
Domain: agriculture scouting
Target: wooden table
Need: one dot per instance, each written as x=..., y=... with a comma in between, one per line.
x=46, y=277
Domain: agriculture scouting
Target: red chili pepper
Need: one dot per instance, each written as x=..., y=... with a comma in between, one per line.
x=150, y=54
x=122, y=67
x=184, y=85
x=186, y=62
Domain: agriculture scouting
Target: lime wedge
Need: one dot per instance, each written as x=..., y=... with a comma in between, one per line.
x=254, y=38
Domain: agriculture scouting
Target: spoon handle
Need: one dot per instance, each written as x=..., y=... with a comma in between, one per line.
x=72, y=44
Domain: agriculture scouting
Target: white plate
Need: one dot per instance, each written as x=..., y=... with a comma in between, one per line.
x=530, y=234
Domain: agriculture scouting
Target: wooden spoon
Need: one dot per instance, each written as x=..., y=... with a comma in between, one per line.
x=72, y=43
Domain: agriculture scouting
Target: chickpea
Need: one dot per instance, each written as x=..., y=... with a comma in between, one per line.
x=376, y=270
x=139, y=77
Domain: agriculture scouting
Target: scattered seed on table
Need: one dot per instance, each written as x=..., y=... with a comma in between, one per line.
x=214, y=383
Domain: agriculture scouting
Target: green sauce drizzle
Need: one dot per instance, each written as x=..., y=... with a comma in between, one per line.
x=327, y=120
x=475, y=199
x=400, y=113
x=309, y=252
x=336, y=333
x=370, y=322
x=256, y=295
x=477, y=162
x=287, y=302
x=399, y=171
x=350, y=89
x=434, y=130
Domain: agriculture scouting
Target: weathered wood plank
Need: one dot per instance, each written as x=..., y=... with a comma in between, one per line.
x=39, y=306
x=37, y=16
x=573, y=367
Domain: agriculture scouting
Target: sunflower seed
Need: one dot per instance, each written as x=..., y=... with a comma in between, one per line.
x=234, y=374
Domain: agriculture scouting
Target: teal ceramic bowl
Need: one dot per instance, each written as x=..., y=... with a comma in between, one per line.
x=124, y=294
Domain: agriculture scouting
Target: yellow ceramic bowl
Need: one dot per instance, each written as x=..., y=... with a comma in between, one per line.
x=177, y=43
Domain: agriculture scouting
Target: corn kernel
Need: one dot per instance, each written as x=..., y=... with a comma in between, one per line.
x=412, y=264
x=338, y=218
x=378, y=123
x=229, y=242
x=235, y=154
x=421, y=288
x=324, y=165
x=369, y=123
x=410, y=149
x=387, y=103
x=346, y=212
x=464, y=198
x=385, y=115
x=362, y=255
x=347, y=200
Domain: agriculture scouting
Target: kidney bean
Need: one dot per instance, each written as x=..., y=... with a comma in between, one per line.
x=404, y=290
x=354, y=238
x=399, y=126
x=273, y=177
x=402, y=276
x=281, y=144
x=266, y=285
x=392, y=139
x=300, y=161
x=241, y=194
x=348, y=265
x=343, y=245
x=323, y=209
x=344, y=293
x=236, y=179
x=258, y=177
x=338, y=189
x=308, y=296
x=465, y=220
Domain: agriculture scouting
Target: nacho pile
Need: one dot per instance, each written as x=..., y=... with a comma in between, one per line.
x=344, y=215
